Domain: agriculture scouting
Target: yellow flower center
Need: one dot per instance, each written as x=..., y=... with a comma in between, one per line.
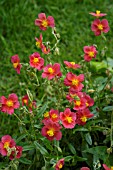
x=91, y=54
x=111, y=167
x=73, y=63
x=83, y=119
x=50, y=132
x=38, y=44
x=75, y=82
x=87, y=104
x=78, y=103
x=46, y=114
x=9, y=103
x=35, y=60
x=6, y=145
x=50, y=70
x=69, y=119
x=25, y=101
x=44, y=23
x=54, y=116
x=60, y=166
x=97, y=12
x=15, y=65
x=100, y=27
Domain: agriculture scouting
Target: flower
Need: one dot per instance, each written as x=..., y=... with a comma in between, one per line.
x=54, y=115
x=8, y=105
x=39, y=41
x=51, y=71
x=16, y=63
x=107, y=168
x=51, y=130
x=68, y=118
x=74, y=81
x=59, y=164
x=71, y=65
x=97, y=14
x=26, y=101
x=36, y=61
x=100, y=26
x=16, y=153
x=89, y=101
x=44, y=49
x=90, y=52
x=44, y=22
x=84, y=168
x=83, y=115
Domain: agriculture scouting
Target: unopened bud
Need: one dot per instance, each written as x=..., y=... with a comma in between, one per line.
x=109, y=150
x=56, y=52
x=91, y=91
x=107, y=87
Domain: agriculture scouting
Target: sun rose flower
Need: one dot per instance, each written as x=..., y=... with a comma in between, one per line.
x=44, y=22
x=90, y=53
x=26, y=101
x=68, y=118
x=84, y=168
x=83, y=115
x=74, y=81
x=107, y=168
x=59, y=164
x=97, y=14
x=51, y=130
x=17, y=153
x=71, y=65
x=100, y=26
x=89, y=101
x=44, y=49
x=16, y=63
x=8, y=105
x=39, y=41
x=36, y=61
x=51, y=71
x=54, y=115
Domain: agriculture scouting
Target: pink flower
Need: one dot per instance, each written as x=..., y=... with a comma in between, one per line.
x=83, y=115
x=59, y=164
x=36, y=61
x=16, y=153
x=100, y=26
x=68, y=118
x=26, y=101
x=16, y=63
x=51, y=130
x=106, y=167
x=52, y=71
x=90, y=52
x=89, y=101
x=74, y=81
x=44, y=22
x=97, y=14
x=54, y=115
x=8, y=105
x=84, y=168
x=39, y=41
x=44, y=49
x=71, y=65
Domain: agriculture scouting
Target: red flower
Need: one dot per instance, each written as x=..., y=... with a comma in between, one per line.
x=68, y=118
x=44, y=49
x=39, y=41
x=44, y=22
x=51, y=130
x=84, y=168
x=97, y=14
x=74, y=81
x=59, y=164
x=100, y=26
x=89, y=101
x=52, y=71
x=16, y=153
x=107, y=168
x=83, y=115
x=71, y=65
x=90, y=52
x=36, y=61
x=79, y=104
x=16, y=63
x=54, y=115
x=8, y=105
x=5, y=144
x=26, y=101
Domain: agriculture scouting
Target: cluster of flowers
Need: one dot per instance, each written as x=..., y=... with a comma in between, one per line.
x=9, y=148
x=104, y=166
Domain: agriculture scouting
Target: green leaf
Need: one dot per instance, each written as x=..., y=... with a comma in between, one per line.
x=108, y=108
x=88, y=138
x=25, y=161
x=68, y=158
x=81, y=129
x=72, y=149
x=28, y=147
x=42, y=110
x=41, y=148
x=21, y=137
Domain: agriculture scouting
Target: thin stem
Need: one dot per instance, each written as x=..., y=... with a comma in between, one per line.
x=18, y=119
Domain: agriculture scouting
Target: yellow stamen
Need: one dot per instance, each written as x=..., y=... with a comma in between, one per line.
x=50, y=70
x=54, y=116
x=25, y=101
x=38, y=44
x=111, y=167
x=35, y=60
x=75, y=82
x=60, y=166
x=87, y=104
x=73, y=63
x=69, y=119
x=100, y=27
x=46, y=114
x=83, y=119
x=91, y=54
x=78, y=103
x=44, y=23
x=9, y=103
x=6, y=145
x=97, y=12
x=50, y=132
x=15, y=65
